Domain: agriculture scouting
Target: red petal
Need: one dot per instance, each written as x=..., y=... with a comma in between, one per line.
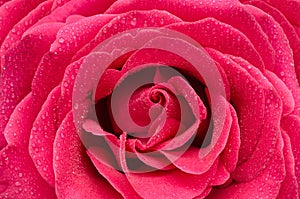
x=56, y=60
x=246, y=94
x=221, y=176
x=212, y=33
x=289, y=8
x=266, y=185
x=289, y=31
x=230, y=154
x=10, y=16
x=270, y=131
x=127, y=21
x=284, y=93
x=199, y=160
x=291, y=124
x=172, y=183
x=42, y=137
x=20, y=177
x=284, y=63
x=75, y=175
x=17, y=31
x=76, y=7
x=289, y=187
x=231, y=12
x=18, y=129
x=115, y=178
x=20, y=66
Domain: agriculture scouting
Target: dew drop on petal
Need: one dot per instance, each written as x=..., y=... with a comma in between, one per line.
x=18, y=184
x=133, y=22
x=61, y=40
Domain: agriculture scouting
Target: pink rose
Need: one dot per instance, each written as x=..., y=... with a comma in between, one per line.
x=152, y=99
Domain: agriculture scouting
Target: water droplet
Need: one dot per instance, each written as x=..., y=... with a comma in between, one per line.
x=18, y=184
x=61, y=40
x=39, y=162
x=133, y=22
x=123, y=20
x=66, y=84
x=75, y=106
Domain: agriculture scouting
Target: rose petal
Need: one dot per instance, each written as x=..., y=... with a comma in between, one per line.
x=204, y=194
x=17, y=133
x=246, y=94
x=221, y=176
x=115, y=178
x=212, y=33
x=3, y=2
x=10, y=17
x=230, y=12
x=15, y=84
x=154, y=159
x=18, y=129
x=172, y=183
x=78, y=7
x=286, y=96
x=291, y=124
x=230, y=154
x=19, y=176
x=266, y=185
x=191, y=161
x=294, y=40
x=42, y=137
x=127, y=21
x=289, y=187
x=264, y=148
x=74, y=174
x=55, y=61
x=289, y=9
x=17, y=31
x=284, y=55
x=67, y=84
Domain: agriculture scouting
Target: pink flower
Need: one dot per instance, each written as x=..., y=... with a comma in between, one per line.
x=149, y=99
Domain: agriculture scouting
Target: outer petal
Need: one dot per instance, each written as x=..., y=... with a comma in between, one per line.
x=75, y=176
x=212, y=33
x=42, y=136
x=76, y=7
x=19, y=67
x=55, y=61
x=289, y=187
x=127, y=21
x=244, y=97
x=266, y=185
x=291, y=124
x=230, y=154
x=9, y=17
x=17, y=31
x=284, y=63
x=270, y=131
x=230, y=12
x=288, y=8
x=21, y=179
x=289, y=30
x=18, y=177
